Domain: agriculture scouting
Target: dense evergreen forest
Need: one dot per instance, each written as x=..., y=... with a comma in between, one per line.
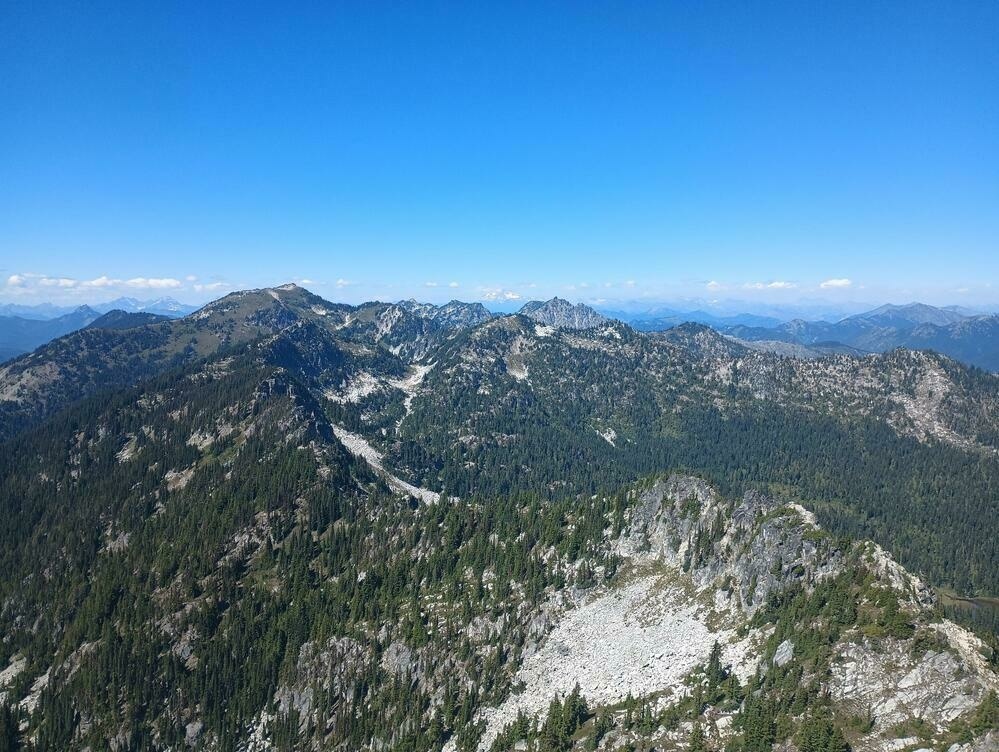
x=323, y=563
x=930, y=504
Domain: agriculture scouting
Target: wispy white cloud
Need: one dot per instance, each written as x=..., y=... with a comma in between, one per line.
x=713, y=285
x=774, y=285
x=154, y=283
x=453, y=284
x=832, y=284
x=63, y=282
x=26, y=283
x=102, y=281
x=430, y=284
x=343, y=283
x=211, y=286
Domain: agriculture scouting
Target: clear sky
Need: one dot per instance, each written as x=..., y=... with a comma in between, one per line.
x=597, y=150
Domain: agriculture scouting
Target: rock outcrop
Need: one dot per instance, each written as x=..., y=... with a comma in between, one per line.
x=562, y=314
x=698, y=569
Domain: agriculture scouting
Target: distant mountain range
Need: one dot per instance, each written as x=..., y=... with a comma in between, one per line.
x=20, y=335
x=961, y=333
x=972, y=339
x=45, y=311
x=664, y=320
x=23, y=328
x=810, y=310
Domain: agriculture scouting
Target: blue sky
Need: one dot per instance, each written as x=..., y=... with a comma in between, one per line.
x=601, y=151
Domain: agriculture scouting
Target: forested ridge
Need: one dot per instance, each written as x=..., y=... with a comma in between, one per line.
x=192, y=557
x=323, y=563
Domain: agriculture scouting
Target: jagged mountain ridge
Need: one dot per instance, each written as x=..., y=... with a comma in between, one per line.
x=53, y=376
x=452, y=315
x=247, y=525
x=562, y=314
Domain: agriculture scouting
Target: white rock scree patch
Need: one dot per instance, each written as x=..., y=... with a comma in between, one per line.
x=640, y=638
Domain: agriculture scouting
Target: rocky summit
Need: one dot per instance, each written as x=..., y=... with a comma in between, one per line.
x=562, y=314
x=283, y=523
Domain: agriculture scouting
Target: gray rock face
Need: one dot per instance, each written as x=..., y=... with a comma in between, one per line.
x=896, y=686
x=398, y=659
x=749, y=549
x=987, y=743
x=785, y=652
x=192, y=732
x=320, y=668
x=453, y=315
x=762, y=547
x=562, y=314
x=461, y=315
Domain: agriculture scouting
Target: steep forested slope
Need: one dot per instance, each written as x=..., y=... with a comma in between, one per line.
x=882, y=447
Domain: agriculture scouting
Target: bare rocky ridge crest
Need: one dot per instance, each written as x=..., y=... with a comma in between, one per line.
x=562, y=314
x=919, y=394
